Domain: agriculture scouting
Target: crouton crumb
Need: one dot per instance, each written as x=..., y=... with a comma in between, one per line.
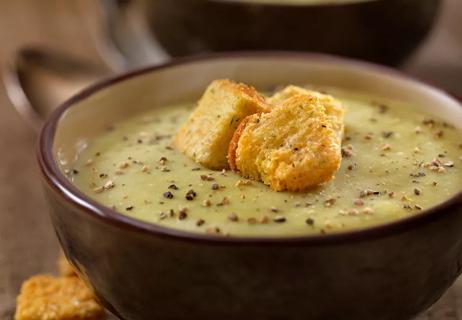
x=64, y=298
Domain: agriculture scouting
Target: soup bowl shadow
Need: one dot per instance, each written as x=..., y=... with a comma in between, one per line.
x=145, y=271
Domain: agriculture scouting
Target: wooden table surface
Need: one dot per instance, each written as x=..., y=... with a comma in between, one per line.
x=27, y=242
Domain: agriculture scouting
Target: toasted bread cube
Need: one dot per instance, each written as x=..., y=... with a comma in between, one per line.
x=206, y=134
x=294, y=147
x=334, y=108
x=45, y=297
x=64, y=267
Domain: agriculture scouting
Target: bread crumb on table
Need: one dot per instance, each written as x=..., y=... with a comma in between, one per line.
x=44, y=297
x=65, y=269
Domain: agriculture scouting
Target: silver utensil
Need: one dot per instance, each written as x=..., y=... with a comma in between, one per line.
x=38, y=80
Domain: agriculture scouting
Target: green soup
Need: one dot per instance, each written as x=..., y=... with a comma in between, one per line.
x=397, y=162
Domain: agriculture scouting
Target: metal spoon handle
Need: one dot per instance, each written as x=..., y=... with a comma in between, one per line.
x=18, y=97
x=37, y=80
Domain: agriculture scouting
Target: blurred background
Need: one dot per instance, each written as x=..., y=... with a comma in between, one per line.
x=51, y=48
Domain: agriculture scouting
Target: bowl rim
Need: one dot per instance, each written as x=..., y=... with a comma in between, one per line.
x=55, y=179
x=292, y=3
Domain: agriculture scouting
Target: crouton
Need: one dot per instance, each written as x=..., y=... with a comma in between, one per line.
x=66, y=298
x=294, y=147
x=235, y=142
x=334, y=108
x=64, y=267
x=208, y=131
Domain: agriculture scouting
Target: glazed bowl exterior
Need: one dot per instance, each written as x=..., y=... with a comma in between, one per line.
x=383, y=31
x=144, y=271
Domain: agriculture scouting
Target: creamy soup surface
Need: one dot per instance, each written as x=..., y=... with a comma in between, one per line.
x=396, y=163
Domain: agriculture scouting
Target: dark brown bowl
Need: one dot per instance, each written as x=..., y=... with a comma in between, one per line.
x=145, y=271
x=384, y=31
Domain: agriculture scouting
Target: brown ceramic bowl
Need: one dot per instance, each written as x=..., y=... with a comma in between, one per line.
x=384, y=31
x=144, y=271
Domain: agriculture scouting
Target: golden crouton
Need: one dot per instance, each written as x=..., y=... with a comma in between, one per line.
x=45, y=297
x=294, y=147
x=206, y=134
x=64, y=267
x=334, y=108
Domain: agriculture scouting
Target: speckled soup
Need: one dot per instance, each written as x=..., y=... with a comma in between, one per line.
x=397, y=162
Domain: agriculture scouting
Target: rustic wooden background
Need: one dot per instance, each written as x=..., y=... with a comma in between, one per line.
x=27, y=242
